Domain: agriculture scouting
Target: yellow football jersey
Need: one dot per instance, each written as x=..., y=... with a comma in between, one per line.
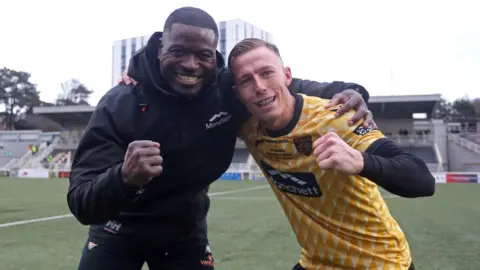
x=341, y=222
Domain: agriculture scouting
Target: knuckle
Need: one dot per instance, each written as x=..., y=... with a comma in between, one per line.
x=361, y=111
x=131, y=146
x=137, y=154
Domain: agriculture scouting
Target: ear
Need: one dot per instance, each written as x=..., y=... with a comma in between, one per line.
x=288, y=75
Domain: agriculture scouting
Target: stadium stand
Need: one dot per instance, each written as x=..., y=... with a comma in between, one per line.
x=474, y=137
x=408, y=121
x=433, y=140
x=19, y=148
x=464, y=146
x=240, y=155
x=426, y=153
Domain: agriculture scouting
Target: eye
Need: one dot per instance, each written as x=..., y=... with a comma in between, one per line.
x=178, y=53
x=267, y=73
x=244, y=81
x=206, y=56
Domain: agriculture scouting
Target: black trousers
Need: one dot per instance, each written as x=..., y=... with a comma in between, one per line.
x=299, y=267
x=115, y=252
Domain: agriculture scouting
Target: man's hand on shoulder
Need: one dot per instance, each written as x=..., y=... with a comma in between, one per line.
x=351, y=99
x=332, y=153
x=125, y=79
x=142, y=163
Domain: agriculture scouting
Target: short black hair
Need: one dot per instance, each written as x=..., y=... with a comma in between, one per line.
x=191, y=16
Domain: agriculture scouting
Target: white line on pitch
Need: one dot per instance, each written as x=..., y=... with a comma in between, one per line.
x=22, y=222
x=10, y=224
x=236, y=191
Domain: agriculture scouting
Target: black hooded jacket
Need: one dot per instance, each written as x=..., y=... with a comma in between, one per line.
x=197, y=139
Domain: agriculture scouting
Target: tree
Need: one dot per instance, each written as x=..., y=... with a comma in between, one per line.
x=73, y=93
x=476, y=104
x=443, y=110
x=461, y=109
x=464, y=108
x=17, y=93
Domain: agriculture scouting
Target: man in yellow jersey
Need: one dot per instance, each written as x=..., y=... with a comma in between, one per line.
x=325, y=173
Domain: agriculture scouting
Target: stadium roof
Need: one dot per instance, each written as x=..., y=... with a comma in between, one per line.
x=403, y=107
x=391, y=107
x=67, y=116
x=63, y=109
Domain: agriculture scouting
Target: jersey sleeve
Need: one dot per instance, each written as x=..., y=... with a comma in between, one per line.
x=357, y=136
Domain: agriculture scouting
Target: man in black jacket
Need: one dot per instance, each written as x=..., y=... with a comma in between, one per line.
x=150, y=151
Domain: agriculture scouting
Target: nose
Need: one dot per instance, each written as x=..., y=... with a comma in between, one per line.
x=259, y=85
x=190, y=63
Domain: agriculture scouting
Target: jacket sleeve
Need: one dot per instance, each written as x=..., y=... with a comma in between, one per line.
x=97, y=192
x=325, y=90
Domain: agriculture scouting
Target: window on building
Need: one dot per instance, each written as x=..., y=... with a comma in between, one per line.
x=245, y=26
x=223, y=48
x=134, y=45
x=223, y=34
x=123, y=55
x=237, y=36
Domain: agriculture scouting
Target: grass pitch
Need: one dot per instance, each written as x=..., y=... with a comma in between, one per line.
x=247, y=227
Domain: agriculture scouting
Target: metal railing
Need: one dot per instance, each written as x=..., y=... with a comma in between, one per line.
x=472, y=146
x=414, y=139
x=36, y=159
x=440, y=166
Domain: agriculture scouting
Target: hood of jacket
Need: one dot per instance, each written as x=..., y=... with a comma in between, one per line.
x=144, y=68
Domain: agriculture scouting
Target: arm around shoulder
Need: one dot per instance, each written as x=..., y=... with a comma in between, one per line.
x=325, y=90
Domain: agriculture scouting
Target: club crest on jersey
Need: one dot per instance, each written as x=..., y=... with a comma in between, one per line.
x=304, y=145
x=360, y=130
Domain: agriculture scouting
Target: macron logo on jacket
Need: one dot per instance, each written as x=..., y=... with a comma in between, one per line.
x=218, y=119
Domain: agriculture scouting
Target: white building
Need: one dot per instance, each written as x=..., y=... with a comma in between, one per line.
x=230, y=33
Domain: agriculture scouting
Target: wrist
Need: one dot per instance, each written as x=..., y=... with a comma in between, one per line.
x=359, y=162
x=128, y=184
x=367, y=165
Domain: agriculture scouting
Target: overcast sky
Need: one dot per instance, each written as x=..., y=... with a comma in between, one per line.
x=390, y=47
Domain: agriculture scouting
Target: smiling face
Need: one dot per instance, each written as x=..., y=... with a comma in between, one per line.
x=187, y=58
x=261, y=82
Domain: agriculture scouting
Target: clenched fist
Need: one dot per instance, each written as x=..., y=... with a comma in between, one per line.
x=142, y=163
x=333, y=153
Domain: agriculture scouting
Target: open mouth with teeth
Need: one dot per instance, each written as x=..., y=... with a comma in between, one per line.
x=188, y=80
x=265, y=102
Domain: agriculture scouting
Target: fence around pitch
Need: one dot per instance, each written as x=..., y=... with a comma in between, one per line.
x=253, y=175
